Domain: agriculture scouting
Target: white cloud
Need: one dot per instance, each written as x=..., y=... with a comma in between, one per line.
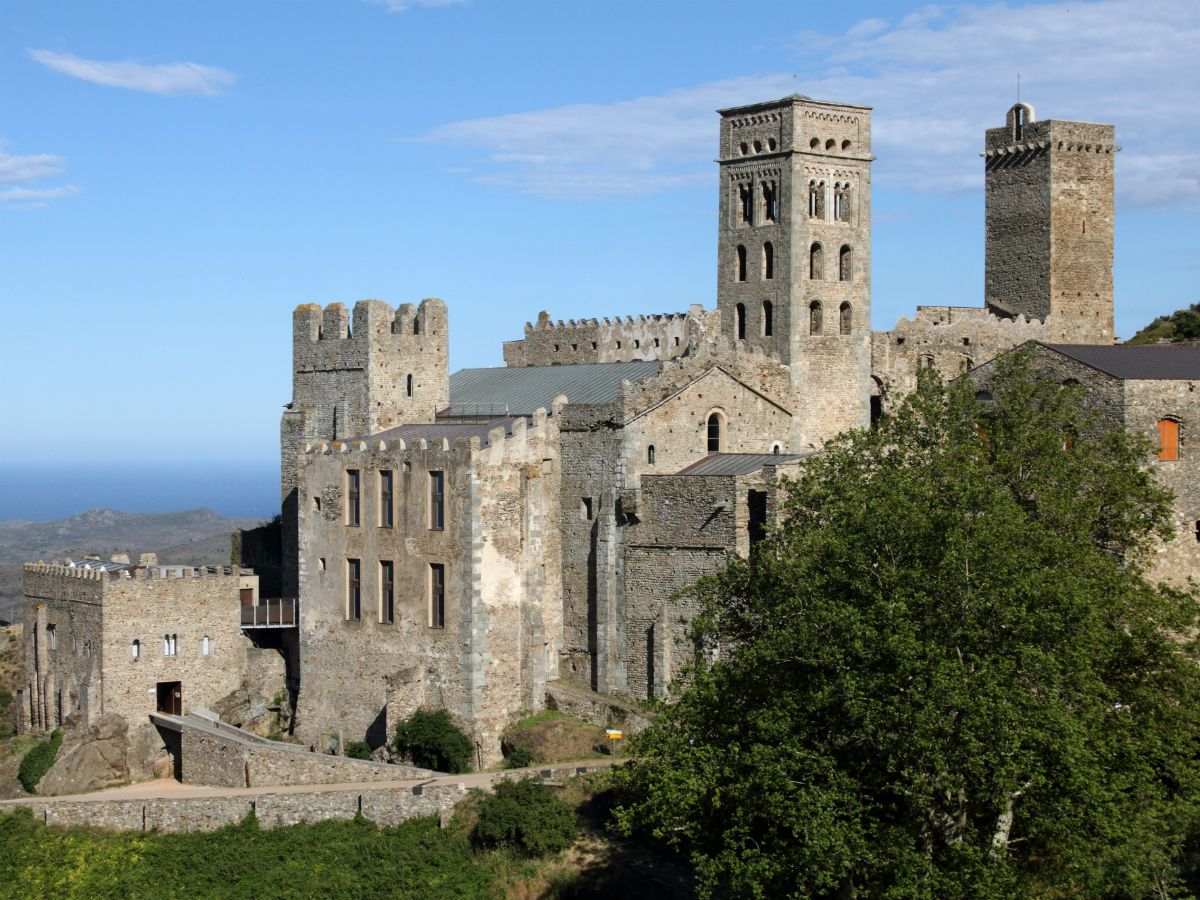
x=24, y=170
x=166, y=79
x=402, y=5
x=936, y=79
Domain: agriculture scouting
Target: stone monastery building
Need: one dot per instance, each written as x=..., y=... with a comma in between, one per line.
x=471, y=541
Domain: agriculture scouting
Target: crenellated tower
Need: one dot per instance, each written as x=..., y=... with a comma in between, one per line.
x=794, y=252
x=1049, y=224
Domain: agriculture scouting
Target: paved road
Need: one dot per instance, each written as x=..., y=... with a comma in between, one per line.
x=168, y=788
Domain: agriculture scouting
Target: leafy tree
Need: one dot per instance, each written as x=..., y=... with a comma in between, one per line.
x=518, y=758
x=525, y=817
x=358, y=749
x=431, y=740
x=38, y=760
x=1181, y=325
x=944, y=674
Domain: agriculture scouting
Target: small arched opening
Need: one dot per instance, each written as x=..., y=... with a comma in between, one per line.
x=408, y=386
x=816, y=255
x=741, y=262
x=740, y=315
x=814, y=317
x=650, y=454
x=845, y=263
x=845, y=318
x=768, y=261
x=714, y=433
x=768, y=318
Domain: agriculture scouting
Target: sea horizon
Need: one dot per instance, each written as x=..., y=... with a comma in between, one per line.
x=43, y=492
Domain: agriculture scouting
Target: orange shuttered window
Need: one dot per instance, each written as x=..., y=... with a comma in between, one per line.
x=1168, y=439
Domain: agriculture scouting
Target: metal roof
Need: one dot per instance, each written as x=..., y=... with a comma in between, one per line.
x=1161, y=362
x=437, y=431
x=520, y=390
x=738, y=463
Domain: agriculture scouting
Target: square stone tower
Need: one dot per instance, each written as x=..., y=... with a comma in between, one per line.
x=794, y=252
x=1049, y=220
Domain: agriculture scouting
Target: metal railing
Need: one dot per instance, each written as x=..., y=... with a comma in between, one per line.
x=271, y=612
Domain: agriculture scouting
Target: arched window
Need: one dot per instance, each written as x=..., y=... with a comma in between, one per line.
x=775, y=449
x=816, y=200
x=830, y=144
x=815, y=258
x=770, y=201
x=205, y=645
x=417, y=325
x=650, y=454
x=1168, y=439
x=814, y=317
x=408, y=387
x=845, y=318
x=746, y=200
x=841, y=202
x=741, y=263
x=814, y=143
x=768, y=260
x=714, y=433
x=166, y=645
x=845, y=263
x=768, y=318
x=740, y=311
x=135, y=649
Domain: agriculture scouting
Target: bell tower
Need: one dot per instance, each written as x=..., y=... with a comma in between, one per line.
x=794, y=252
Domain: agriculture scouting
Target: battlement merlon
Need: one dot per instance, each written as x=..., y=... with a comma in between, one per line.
x=792, y=124
x=312, y=323
x=134, y=572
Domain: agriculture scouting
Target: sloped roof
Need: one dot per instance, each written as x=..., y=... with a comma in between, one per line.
x=520, y=390
x=437, y=431
x=1150, y=362
x=738, y=463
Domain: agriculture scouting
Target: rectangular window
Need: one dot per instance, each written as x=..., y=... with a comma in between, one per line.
x=1168, y=440
x=385, y=498
x=387, y=592
x=437, y=501
x=353, y=589
x=352, y=503
x=437, y=595
x=585, y=509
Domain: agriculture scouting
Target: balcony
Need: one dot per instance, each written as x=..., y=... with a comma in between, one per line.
x=270, y=612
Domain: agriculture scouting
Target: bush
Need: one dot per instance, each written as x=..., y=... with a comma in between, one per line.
x=38, y=760
x=518, y=758
x=525, y=817
x=358, y=750
x=431, y=740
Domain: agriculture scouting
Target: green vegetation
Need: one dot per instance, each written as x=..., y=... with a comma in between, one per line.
x=944, y=675
x=328, y=859
x=518, y=758
x=550, y=736
x=526, y=818
x=358, y=749
x=38, y=760
x=430, y=739
x=1181, y=325
x=7, y=727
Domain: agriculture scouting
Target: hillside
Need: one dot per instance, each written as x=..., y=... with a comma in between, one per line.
x=197, y=536
x=1181, y=325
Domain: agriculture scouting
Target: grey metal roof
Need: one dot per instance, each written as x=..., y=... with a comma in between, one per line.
x=1164, y=362
x=738, y=463
x=437, y=431
x=520, y=390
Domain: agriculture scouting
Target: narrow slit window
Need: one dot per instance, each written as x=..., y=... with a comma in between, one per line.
x=714, y=433
x=740, y=311
x=387, y=592
x=814, y=317
x=437, y=501
x=206, y=646
x=385, y=498
x=135, y=649
x=650, y=454
x=741, y=263
x=353, y=509
x=768, y=261
x=768, y=317
x=354, y=589
x=437, y=595
x=408, y=386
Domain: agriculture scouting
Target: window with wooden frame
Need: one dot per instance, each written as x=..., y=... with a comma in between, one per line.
x=387, y=591
x=353, y=507
x=1168, y=439
x=354, y=589
x=437, y=595
x=385, y=498
x=437, y=501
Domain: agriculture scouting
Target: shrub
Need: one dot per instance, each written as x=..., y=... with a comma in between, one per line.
x=38, y=760
x=431, y=740
x=525, y=817
x=518, y=758
x=358, y=750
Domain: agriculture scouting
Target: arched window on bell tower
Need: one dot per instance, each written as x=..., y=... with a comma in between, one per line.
x=768, y=318
x=815, y=258
x=741, y=262
x=740, y=311
x=814, y=317
x=768, y=261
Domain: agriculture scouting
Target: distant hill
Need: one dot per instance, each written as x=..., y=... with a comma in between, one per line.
x=1181, y=325
x=195, y=536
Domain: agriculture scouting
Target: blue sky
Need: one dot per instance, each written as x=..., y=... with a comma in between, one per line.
x=176, y=177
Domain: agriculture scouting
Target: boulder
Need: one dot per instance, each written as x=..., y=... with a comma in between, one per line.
x=91, y=761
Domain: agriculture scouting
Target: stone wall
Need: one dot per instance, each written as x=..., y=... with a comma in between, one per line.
x=663, y=336
x=500, y=638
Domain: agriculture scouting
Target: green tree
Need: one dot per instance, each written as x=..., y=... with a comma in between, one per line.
x=431, y=739
x=38, y=760
x=525, y=817
x=945, y=674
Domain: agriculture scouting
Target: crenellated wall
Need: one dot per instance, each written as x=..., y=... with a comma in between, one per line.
x=662, y=336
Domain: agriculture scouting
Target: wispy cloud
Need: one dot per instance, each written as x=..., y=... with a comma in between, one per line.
x=24, y=170
x=402, y=5
x=936, y=79
x=166, y=79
